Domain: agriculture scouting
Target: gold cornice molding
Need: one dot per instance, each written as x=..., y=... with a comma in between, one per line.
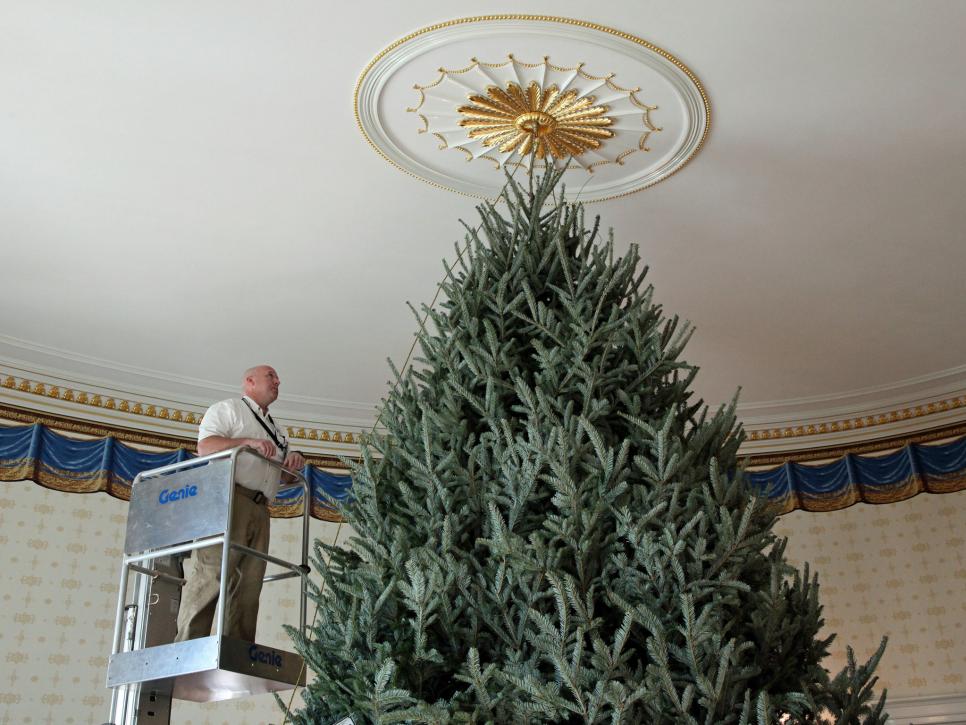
x=157, y=440
x=128, y=435
x=99, y=400
x=189, y=419
x=883, y=445
x=77, y=396
x=860, y=422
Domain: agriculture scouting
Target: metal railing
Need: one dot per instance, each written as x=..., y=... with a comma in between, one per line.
x=135, y=562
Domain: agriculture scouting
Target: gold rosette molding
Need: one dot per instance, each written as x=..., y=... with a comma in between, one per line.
x=519, y=113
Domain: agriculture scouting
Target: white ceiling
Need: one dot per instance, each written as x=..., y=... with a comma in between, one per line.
x=184, y=192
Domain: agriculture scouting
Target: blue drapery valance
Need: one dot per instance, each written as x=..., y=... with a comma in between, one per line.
x=36, y=453
x=873, y=479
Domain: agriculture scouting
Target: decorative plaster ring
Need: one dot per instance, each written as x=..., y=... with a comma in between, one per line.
x=535, y=114
x=630, y=113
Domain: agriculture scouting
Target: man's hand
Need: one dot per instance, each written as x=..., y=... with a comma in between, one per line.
x=266, y=448
x=294, y=462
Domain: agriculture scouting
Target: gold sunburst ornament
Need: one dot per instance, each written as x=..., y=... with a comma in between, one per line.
x=659, y=113
x=545, y=122
x=515, y=113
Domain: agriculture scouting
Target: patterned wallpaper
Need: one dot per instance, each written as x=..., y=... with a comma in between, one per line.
x=58, y=592
x=898, y=569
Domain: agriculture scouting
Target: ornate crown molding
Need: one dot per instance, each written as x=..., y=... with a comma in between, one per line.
x=900, y=410
x=33, y=359
x=942, y=434
x=803, y=429
x=153, y=416
x=858, y=423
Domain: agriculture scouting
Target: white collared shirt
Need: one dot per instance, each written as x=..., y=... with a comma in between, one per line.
x=234, y=419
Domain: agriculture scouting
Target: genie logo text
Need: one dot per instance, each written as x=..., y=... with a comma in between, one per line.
x=268, y=658
x=178, y=494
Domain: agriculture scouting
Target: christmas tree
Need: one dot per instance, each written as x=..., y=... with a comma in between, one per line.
x=551, y=529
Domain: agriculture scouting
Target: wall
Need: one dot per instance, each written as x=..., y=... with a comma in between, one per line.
x=59, y=592
x=898, y=569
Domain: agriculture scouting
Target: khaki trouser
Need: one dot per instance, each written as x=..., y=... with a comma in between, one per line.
x=199, y=598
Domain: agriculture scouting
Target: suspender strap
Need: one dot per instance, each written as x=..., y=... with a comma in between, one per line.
x=273, y=434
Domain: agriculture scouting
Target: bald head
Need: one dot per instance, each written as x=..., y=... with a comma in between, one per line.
x=260, y=383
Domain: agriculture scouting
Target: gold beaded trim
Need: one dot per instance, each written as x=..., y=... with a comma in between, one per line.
x=884, y=445
x=133, y=407
x=868, y=421
x=96, y=400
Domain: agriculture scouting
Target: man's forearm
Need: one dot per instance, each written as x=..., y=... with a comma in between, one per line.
x=214, y=444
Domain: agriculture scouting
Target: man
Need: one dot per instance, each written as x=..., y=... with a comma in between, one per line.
x=238, y=422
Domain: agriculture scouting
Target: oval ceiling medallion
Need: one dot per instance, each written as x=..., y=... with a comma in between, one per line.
x=458, y=103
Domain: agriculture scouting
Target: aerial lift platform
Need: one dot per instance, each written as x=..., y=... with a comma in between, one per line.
x=174, y=510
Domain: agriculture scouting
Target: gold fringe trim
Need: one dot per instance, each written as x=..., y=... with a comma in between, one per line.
x=56, y=479
x=877, y=495
x=127, y=435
